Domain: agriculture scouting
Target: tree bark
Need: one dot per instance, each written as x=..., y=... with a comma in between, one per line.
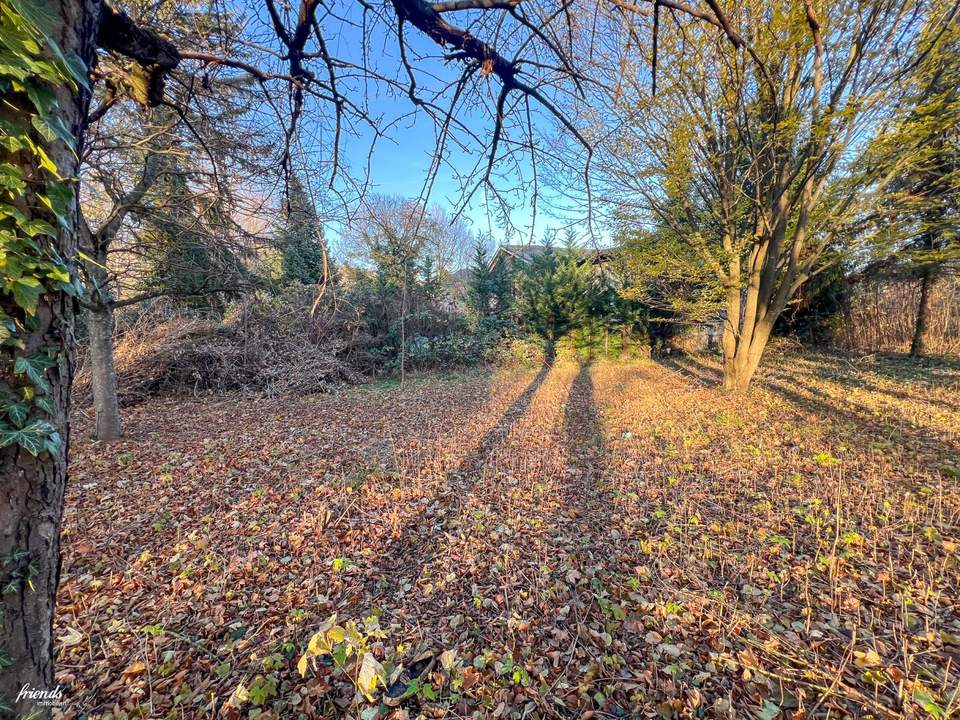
x=103, y=372
x=918, y=346
x=731, y=331
x=32, y=490
x=403, y=329
x=743, y=347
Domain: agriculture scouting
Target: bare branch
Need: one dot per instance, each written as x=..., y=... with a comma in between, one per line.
x=453, y=5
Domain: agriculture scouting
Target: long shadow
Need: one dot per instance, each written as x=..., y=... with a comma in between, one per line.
x=417, y=546
x=690, y=368
x=805, y=393
x=814, y=400
x=583, y=433
x=811, y=398
x=899, y=369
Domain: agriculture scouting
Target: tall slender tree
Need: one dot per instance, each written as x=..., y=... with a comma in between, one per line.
x=918, y=234
x=480, y=290
x=304, y=256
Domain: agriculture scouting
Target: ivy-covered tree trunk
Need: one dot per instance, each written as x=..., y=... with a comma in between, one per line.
x=35, y=357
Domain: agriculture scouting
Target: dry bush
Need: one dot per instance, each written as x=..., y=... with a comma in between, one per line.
x=265, y=344
x=883, y=315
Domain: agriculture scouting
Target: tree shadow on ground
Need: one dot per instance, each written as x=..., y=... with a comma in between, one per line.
x=420, y=542
x=851, y=422
x=584, y=439
x=585, y=503
x=690, y=368
x=913, y=376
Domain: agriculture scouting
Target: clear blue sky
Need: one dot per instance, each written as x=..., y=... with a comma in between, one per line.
x=401, y=160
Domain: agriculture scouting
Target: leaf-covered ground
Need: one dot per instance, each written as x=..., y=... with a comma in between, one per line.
x=606, y=540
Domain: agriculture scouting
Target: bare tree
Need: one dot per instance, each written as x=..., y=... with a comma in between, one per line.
x=143, y=169
x=391, y=236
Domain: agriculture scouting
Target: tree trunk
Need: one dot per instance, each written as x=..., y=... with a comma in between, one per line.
x=742, y=353
x=103, y=373
x=917, y=346
x=745, y=365
x=31, y=494
x=403, y=330
x=731, y=332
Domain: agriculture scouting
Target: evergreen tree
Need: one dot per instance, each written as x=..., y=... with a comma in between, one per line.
x=189, y=248
x=301, y=242
x=920, y=216
x=554, y=292
x=480, y=287
x=431, y=286
x=501, y=293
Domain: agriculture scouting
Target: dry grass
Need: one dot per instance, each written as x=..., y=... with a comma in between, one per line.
x=607, y=540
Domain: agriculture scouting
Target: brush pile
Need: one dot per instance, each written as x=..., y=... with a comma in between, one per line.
x=263, y=345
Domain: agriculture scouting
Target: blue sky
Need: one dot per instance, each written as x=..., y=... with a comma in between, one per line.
x=401, y=161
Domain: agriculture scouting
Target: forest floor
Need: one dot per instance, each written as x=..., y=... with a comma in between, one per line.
x=604, y=540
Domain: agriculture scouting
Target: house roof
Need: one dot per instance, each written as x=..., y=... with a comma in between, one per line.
x=526, y=252
x=520, y=252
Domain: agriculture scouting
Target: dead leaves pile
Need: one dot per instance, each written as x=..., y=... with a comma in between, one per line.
x=614, y=540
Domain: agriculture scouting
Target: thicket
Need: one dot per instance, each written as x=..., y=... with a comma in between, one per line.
x=371, y=315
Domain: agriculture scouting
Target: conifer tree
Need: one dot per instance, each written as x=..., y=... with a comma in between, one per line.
x=303, y=255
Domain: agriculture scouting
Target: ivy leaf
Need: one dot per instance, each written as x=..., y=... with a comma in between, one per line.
x=8, y=327
x=74, y=66
x=11, y=143
x=11, y=178
x=41, y=96
x=51, y=127
x=53, y=443
x=59, y=199
x=36, y=13
x=59, y=273
x=37, y=226
x=35, y=367
x=18, y=413
x=26, y=293
x=45, y=404
x=36, y=437
x=47, y=164
x=18, y=70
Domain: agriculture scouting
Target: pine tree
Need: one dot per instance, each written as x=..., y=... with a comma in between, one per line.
x=301, y=242
x=189, y=257
x=554, y=292
x=480, y=287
